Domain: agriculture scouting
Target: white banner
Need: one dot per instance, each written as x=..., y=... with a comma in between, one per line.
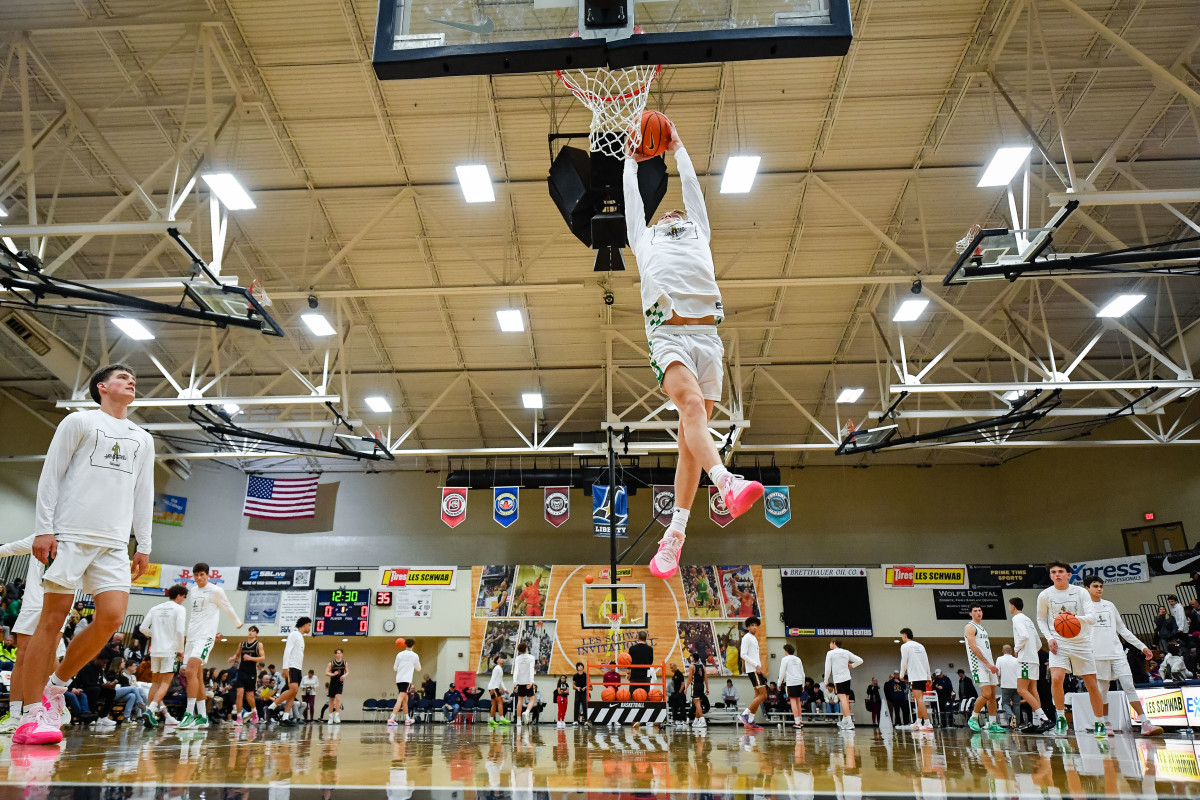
x=293, y=606
x=822, y=572
x=1128, y=569
x=412, y=603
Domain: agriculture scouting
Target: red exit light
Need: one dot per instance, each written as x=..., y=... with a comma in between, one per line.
x=1149, y=516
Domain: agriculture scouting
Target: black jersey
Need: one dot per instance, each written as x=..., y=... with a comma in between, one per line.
x=247, y=668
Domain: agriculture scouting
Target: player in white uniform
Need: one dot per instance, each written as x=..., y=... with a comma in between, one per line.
x=750, y=657
x=838, y=663
x=523, y=685
x=1111, y=664
x=914, y=665
x=682, y=308
x=406, y=665
x=96, y=486
x=165, y=625
x=1074, y=654
x=496, y=692
x=791, y=682
x=983, y=671
x=1026, y=644
x=207, y=602
x=292, y=667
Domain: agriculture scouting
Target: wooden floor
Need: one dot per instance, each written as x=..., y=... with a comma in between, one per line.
x=534, y=762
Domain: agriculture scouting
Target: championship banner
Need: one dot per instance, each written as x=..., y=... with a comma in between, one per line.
x=169, y=509
x=424, y=577
x=777, y=505
x=600, y=511
x=557, y=500
x=664, y=503
x=275, y=578
x=716, y=508
x=955, y=604
x=1129, y=569
x=925, y=576
x=1008, y=576
x=454, y=506
x=1177, y=563
x=505, y=505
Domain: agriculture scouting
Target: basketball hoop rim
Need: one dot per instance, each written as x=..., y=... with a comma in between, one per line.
x=587, y=96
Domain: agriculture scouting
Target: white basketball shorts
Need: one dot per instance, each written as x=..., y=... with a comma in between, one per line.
x=982, y=676
x=1113, y=669
x=160, y=665
x=199, y=648
x=697, y=347
x=93, y=568
x=1075, y=662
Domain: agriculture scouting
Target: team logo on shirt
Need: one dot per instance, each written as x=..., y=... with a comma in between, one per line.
x=111, y=452
x=676, y=231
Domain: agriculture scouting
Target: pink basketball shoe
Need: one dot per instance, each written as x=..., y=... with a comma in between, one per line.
x=666, y=560
x=739, y=494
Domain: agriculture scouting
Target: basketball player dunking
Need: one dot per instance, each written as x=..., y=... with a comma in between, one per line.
x=682, y=308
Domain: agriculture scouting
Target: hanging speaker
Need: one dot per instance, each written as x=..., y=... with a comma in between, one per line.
x=570, y=183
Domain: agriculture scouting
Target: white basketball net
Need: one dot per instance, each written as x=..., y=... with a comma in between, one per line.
x=962, y=244
x=617, y=98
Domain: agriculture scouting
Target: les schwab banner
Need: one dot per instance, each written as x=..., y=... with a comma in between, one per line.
x=925, y=576
x=423, y=577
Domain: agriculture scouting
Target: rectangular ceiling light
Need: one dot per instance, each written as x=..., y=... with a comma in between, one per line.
x=132, y=328
x=510, y=320
x=3, y=213
x=850, y=394
x=232, y=408
x=476, y=183
x=379, y=405
x=1120, y=305
x=11, y=244
x=1003, y=166
x=317, y=323
x=532, y=399
x=739, y=174
x=228, y=191
x=910, y=310
x=1012, y=394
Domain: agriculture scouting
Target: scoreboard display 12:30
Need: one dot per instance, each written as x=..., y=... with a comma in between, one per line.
x=342, y=612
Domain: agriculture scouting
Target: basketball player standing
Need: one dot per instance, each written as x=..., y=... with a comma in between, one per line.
x=984, y=672
x=1074, y=653
x=1026, y=644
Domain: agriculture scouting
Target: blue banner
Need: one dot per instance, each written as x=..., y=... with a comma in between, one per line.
x=600, y=511
x=777, y=503
x=505, y=505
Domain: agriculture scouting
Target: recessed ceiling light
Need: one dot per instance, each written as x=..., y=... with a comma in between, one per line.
x=476, y=183
x=850, y=394
x=1003, y=166
x=317, y=323
x=909, y=310
x=378, y=404
x=1013, y=394
x=532, y=399
x=232, y=408
x=739, y=174
x=3, y=213
x=228, y=191
x=132, y=328
x=1120, y=305
x=510, y=320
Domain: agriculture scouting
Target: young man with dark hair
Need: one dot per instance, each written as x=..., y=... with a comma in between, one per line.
x=249, y=655
x=791, y=682
x=1111, y=664
x=406, y=665
x=1074, y=654
x=984, y=673
x=753, y=665
x=914, y=665
x=495, y=692
x=207, y=602
x=579, y=682
x=96, y=486
x=292, y=667
x=164, y=624
x=1026, y=644
x=838, y=663
x=523, y=685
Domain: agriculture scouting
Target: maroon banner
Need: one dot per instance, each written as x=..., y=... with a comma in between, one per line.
x=454, y=506
x=716, y=508
x=558, y=504
x=664, y=503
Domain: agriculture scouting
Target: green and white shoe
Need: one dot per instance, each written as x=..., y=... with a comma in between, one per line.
x=188, y=722
x=1060, y=726
x=201, y=722
x=996, y=729
x=8, y=724
x=492, y=722
x=1101, y=730
x=150, y=718
x=973, y=724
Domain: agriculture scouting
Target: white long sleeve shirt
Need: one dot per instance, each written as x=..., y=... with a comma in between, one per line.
x=674, y=260
x=1180, y=617
x=497, y=680
x=791, y=671
x=1108, y=632
x=523, y=669
x=31, y=600
x=165, y=625
x=1026, y=641
x=1073, y=599
x=914, y=662
x=749, y=653
x=293, y=651
x=206, y=607
x=97, y=483
x=837, y=665
x=406, y=664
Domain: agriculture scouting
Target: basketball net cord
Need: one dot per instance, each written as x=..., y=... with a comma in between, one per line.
x=962, y=244
x=617, y=98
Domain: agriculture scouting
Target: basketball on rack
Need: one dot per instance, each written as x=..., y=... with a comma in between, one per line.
x=608, y=694
x=639, y=695
x=656, y=133
x=623, y=694
x=656, y=695
x=1066, y=625
x=623, y=660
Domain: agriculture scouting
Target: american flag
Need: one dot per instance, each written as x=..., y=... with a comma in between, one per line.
x=280, y=498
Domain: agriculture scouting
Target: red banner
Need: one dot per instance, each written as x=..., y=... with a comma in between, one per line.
x=454, y=506
x=716, y=508
x=664, y=503
x=558, y=504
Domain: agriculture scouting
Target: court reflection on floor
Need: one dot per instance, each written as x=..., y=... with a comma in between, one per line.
x=815, y=761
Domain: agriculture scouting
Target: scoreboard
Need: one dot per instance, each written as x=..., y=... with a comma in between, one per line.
x=342, y=612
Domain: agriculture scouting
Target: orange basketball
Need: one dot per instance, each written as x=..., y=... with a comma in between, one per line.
x=1066, y=625
x=656, y=695
x=656, y=132
x=623, y=660
x=609, y=694
x=623, y=694
x=400, y=643
x=639, y=695
x=588, y=579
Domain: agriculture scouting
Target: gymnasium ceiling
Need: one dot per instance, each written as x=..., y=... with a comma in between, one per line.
x=869, y=167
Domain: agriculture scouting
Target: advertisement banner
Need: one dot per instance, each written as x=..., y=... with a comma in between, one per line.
x=1008, y=576
x=505, y=505
x=1128, y=569
x=412, y=603
x=1164, y=706
x=664, y=503
x=777, y=505
x=557, y=500
x=1178, y=563
x=293, y=606
x=600, y=511
x=1191, y=705
x=431, y=577
x=925, y=576
x=176, y=573
x=275, y=578
x=262, y=608
x=169, y=509
x=454, y=506
x=151, y=578
x=716, y=508
x=822, y=572
x=956, y=603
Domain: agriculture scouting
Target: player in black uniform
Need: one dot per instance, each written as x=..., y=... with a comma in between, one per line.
x=249, y=655
x=336, y=672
